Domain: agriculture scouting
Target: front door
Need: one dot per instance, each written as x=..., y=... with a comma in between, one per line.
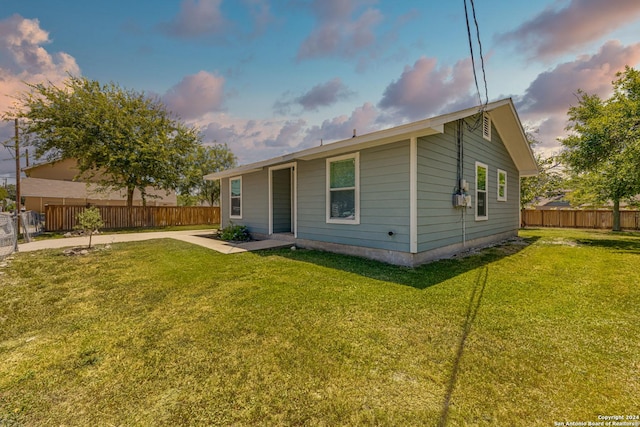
x=282, y=200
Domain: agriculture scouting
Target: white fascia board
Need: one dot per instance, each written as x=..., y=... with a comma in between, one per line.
x=507, y=123
x=242, y=170
x=532, y=172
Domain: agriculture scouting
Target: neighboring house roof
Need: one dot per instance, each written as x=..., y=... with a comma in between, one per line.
x=503, y=115
x=553, y=202
x=609, y=204
x=38, y=187
x=557, y=204
x=62, y=169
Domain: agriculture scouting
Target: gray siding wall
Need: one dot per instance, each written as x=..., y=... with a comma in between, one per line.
x=255, y=202
x=503, y=216
x=439, y=223
x=384, y=201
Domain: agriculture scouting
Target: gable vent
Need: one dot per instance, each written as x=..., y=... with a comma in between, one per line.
x=486, y=126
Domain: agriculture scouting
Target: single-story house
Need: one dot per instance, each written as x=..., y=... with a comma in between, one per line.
x=56, y=183
x=404, y=195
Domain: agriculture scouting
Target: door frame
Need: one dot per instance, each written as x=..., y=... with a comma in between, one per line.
x=294, y=196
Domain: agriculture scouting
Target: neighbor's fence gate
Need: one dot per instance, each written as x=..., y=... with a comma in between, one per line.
x=601, y=219
x=63, y=217
x=8, y=235
x=32, y=224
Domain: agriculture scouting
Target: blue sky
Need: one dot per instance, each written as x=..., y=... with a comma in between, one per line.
x=269, y=77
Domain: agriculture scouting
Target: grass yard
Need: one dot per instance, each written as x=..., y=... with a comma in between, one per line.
x=165, y=333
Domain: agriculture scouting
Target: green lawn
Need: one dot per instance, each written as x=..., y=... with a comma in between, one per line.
x=165, y=333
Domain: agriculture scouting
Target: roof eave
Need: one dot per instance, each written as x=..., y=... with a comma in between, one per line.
x=503, y=112
x=507, y=123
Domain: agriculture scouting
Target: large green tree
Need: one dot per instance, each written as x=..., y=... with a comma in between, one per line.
x=205, y=160
x=604, y=145
x=122, y=139
x=4, y=194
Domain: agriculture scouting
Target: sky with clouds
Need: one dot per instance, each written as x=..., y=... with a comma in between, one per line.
x=269, y=77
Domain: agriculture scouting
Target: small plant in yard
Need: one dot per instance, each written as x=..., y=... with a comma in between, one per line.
x=234, y=233
x=89, y=221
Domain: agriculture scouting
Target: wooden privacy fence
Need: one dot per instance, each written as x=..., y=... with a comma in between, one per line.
x=629, y=220
x=63, y=217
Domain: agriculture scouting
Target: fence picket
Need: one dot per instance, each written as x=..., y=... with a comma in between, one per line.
x=63, y=217
x=576, y=218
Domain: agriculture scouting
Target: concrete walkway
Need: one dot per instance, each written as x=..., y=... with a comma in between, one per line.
x=196, y=237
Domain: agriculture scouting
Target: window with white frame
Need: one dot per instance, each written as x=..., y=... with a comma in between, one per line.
x=486, y=126
x=343, y=189
x=502, y=185
x=481, y=191
x=235, y=198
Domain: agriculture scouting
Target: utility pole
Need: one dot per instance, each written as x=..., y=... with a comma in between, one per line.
x=17, y=179
x=17, y=166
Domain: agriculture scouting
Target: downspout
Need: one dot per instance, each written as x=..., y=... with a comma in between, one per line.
x=294, y=195
x=413, y=195
x=220, y=204
x=460, y=143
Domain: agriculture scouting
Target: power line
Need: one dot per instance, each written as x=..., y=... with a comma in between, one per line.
x=473, y=62
x=484, y=74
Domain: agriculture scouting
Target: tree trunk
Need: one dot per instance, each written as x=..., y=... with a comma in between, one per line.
x=616, y=215
x=130, y=206
x=130, y=196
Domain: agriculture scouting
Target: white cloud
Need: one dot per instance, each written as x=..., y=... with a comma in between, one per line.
x=247, y=138
x=196, y=95
x=553, y=91
x=289, y=135
x=24, y=59
x=363, y=119
x=554, y=32
x=255, y=140
x=197, y=18
x=205, y=19
x=260, y=12
x=321, y=95
x=425, y=89
x=339, y=32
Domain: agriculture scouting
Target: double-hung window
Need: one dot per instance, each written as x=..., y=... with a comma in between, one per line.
x=343, y=189
x=481, y=191
x=502, y=185
x=235, y=198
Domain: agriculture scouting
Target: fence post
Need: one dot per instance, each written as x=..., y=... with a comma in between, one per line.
x=16, y=230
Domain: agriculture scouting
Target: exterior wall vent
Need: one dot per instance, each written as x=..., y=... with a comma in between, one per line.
x=486, y=126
